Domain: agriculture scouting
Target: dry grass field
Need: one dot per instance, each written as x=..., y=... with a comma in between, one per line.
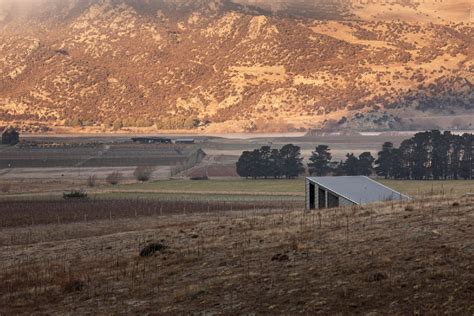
x=228, y=245
x=392, y=258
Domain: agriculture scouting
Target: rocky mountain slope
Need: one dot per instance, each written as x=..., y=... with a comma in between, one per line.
x=248, y=65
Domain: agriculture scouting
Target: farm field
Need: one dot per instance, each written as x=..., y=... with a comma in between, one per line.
x=61, y=162
x=93, y=155
x=223, y=189
x=392, y=258
x=227, y=245
x=291, y=187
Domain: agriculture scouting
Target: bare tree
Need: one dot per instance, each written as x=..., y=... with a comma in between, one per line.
x=143, y=173
x=5, y=187
x=114, y=178
x=91, y=181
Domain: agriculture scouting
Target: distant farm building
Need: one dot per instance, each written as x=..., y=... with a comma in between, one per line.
x=330, y=192
x=184, y=141
x=10, y=136
x=152, y=140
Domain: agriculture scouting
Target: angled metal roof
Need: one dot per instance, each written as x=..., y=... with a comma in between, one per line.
x=358, y=189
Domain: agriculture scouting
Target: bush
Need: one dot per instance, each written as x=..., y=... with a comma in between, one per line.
x=75, y=122
x=143, y=123
x=74, y=286
x=191, y=122
x=5, y=187
x=107, y=123
x=75, y=195
x=118, y=124
x=151, y=249
x=200, y=178
x=129, y=122
x=143, y=173
x=91, y=181
x=114, y=178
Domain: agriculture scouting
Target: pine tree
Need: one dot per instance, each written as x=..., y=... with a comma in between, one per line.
x=244, y=165
x=467, y=156
x=265, y=158
x=421, y=159
x=320, y=161
x=351, y=165
x=365, y=164
x=292, y=161
x=276, y=164
x=385, y=161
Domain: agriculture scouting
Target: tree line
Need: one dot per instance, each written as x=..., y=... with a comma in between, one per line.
x=427, y=155
x=287, y=162
x=271, y=163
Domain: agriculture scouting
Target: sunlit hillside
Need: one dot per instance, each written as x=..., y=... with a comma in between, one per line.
x=222, y=66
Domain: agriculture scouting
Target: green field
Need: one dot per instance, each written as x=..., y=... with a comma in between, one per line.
x=287, y=188
x=284, y=187
x=238, y=190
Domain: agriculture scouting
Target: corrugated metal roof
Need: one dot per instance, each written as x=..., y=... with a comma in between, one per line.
x=358, y=189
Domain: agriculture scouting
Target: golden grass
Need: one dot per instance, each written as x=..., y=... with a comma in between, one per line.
x=386, y=258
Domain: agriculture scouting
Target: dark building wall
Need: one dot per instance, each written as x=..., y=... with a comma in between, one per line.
x=319, y=197
x=333, y=200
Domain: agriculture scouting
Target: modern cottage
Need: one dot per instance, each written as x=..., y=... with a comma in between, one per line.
x=330, y=192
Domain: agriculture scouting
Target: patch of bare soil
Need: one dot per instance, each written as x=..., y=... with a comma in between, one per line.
x=386, y=258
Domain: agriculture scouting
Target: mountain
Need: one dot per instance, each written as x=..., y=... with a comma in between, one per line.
x=243, y=65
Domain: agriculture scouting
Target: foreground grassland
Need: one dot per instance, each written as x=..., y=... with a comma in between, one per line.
x=392, y=258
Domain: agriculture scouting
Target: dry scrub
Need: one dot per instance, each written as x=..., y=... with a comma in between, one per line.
x=386, y=258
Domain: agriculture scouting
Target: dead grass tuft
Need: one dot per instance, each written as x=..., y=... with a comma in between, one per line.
x=5, y=187
x=72, y=286
x=151, y=249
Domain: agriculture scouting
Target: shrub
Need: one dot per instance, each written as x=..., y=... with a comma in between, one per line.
x=151, y=249
x=117, y=124
x=5, y=187
x=143, y=173
x=91, y=181
x=200, y=178
x=114, y=178
x=143, y=123
x=107, y=123
x=75, y=122
x=75, y=195
x=129, y=122
x=74, y=286
x=191, y=122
